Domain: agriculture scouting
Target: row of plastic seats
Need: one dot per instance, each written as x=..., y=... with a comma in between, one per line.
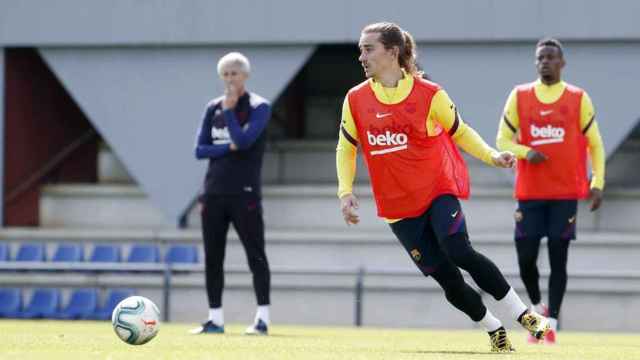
x=46, y=303
x=145, y=253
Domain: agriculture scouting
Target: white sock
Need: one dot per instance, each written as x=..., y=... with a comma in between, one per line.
x=539, y=308
x=513, y=304
x=216, y=316
x=553, y=323
x=489, y=322
x=263, y=314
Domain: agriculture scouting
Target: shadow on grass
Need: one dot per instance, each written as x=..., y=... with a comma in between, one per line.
x=241, y=335
x=448, y=352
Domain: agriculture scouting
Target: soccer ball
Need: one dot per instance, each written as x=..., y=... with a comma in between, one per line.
x=136, y=320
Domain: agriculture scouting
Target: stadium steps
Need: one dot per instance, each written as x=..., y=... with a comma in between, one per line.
x=309, y=207
x=299, y=162
x=348, y=248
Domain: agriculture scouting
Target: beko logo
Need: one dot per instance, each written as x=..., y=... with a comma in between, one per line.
x=398, y=141
x=546, y=135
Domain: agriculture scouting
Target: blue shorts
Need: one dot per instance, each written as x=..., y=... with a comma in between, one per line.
x=422, y=236
x=550, y=218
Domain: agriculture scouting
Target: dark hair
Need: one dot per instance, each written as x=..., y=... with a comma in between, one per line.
x=392, y=35
x=549, y=41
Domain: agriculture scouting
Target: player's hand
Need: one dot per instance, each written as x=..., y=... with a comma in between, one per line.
x=536, y=157
x=233, y=146
x=348, y=205
x=596, y=199
x=504, y=159
x=231, y=96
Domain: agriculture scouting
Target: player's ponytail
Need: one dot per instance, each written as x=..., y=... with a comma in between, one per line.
x=407, y=56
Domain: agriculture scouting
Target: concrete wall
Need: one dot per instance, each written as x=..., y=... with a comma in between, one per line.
x=131, y=64
x=163, y=22
x=479, y=77
x=2, y=132
x=148, y=102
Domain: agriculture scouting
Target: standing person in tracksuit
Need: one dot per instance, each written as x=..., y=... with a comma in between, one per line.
x=232, y=138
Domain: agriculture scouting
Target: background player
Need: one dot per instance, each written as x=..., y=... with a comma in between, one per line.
x=553, y=124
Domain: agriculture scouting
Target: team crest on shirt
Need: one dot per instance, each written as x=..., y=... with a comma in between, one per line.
x=410, y=107
x=415, y=254
x=518, y=216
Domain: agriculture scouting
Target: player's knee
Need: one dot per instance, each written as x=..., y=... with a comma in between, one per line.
x=259, y=264
x=559, y=272
x=526, y=262
x=453, y=295
x=459, y=249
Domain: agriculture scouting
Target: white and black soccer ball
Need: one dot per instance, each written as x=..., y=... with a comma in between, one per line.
x=136, y=320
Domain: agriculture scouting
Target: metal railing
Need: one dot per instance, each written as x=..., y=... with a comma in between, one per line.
x=167, y=271
x=51, y=164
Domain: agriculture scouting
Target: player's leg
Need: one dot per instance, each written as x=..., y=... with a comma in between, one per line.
x=249, y=224
x=420, y=242
x=449, y=225
x=562, y=231
x=531, y=224
x=530, y=227
x=464, y=298
x=558, y=255
x=448, y=222
x=528, y=249
x=215, y=224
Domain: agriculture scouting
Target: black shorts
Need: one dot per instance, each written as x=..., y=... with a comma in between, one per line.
x=422, y=236
x=550, y=218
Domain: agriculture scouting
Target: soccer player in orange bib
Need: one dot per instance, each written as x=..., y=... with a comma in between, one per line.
x=554, y=124
x=408, y=129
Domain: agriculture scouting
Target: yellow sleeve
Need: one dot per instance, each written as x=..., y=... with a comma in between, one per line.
x=509, y=127
x=443, y=111
x=589, y=126
x=346, y=151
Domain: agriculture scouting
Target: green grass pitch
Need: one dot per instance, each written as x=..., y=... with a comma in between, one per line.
x=96, y=340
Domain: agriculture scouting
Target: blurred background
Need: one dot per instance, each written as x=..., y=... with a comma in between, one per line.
x=101, y=101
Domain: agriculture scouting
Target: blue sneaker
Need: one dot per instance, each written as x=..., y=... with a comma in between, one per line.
x=208, y=328
x=259, y=328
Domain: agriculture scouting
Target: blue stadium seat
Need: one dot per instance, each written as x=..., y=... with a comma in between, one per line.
x=113, y=298
x=31, y=252
x=5, y=254
x=106, y=253
x=10, y=303
x=82, y=305
x=68, y=253
x=44, y=304
x=181, y=254
x=144, y=253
